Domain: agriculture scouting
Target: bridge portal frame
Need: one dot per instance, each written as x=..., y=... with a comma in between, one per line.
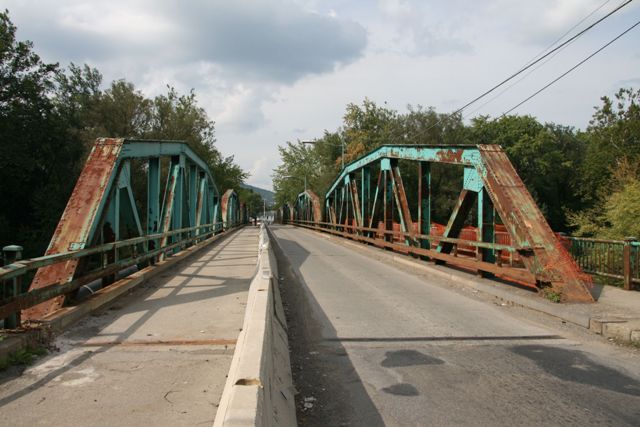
x=102, y=208
x=355, y=205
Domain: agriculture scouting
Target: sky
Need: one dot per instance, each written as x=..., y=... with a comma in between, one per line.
x=272, y=71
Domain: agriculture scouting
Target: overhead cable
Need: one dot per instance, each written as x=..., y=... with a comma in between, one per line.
x=572, y=68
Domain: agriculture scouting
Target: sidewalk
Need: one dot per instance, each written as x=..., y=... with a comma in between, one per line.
x=159, y=356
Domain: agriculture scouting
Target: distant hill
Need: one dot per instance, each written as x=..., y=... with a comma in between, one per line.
x=268, y=196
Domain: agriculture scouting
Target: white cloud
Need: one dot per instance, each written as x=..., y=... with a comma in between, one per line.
x=270, y=71
x=242, y=110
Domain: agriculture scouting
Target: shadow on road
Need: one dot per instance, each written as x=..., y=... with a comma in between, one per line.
x=330, y=391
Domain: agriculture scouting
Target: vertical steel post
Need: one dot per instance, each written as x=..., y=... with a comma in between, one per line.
x=628, y=271
x=168, y=204
x=365, y=196
x=153, y=199
x=193, y=196
x=179, y=202
x=486, y=227
x=424, y=202
x=12, y=253
x=200, y=204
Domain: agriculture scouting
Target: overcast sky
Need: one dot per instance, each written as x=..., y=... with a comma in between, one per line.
x=270, y=71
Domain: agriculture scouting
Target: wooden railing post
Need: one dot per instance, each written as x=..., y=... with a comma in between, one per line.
x=628, y=271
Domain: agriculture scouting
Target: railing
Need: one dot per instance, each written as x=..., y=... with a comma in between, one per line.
x=618, y=259
x=465, y=253
x=111, y=258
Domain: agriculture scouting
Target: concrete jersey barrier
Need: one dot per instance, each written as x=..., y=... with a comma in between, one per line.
x=259, y=388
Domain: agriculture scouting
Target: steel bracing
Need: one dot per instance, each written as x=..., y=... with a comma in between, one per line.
x=509, y=238
x=182, y=204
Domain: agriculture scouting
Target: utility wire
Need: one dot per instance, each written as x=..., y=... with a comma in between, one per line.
x=569, y=31
x=571, y=69
x=560, y=46
x=532, y=63
x=536, y=56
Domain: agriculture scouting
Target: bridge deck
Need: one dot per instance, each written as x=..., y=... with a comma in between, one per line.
x=158, y=357
x=377, y=343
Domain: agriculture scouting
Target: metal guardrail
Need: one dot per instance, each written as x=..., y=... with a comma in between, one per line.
x=13, y=300
x=465, y=253
x=618, y=259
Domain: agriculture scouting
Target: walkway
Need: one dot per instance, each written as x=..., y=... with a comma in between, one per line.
x=159, y=357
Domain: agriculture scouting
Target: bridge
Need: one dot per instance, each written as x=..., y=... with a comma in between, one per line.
x=164, y=306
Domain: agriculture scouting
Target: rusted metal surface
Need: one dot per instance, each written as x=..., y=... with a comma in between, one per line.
x=73, y=229
x=516, y=274
x=450, y=155
x=550, y=262
x=102, y=209
x=230, y=208
x=491, y=189
x=307, y=207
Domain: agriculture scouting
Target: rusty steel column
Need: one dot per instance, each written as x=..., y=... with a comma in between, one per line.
x=424, y=202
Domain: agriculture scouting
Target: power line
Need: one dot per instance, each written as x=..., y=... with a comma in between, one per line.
x=569, y=30
x=572, y=68
x=534, y=62
x=536, y=56
x=560, y=46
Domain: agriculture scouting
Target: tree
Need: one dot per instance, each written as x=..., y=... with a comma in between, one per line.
x=37, y=153
x=367, y=127
x=49, y=118
x=616, y=217
x=299, y=163
x=545, y=156
x=613, y=134
x=252, y=200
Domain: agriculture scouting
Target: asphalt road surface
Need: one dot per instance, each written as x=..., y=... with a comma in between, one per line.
x=375, y=345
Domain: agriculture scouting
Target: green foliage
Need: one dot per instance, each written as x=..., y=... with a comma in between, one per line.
x=253, y=201
x=622, y=210
x=551, y=295
x=570, y=174
x=300, y=162
x=49, y=119
x=613, y=133
x=37, y=152
x=25, y=356
x=616, y=217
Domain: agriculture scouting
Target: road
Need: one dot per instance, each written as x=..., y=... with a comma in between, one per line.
x=375, y=345
x=157, y=357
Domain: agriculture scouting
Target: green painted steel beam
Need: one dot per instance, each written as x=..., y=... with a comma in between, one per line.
x=468, y=155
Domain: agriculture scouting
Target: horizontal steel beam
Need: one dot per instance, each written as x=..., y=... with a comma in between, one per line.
x=21, y=267
x=468, y=155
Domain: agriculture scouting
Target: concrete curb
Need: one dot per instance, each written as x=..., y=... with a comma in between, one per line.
x=56, y=322
x=259, y=387
x=622, y=330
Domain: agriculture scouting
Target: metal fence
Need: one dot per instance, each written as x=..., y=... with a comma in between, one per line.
x=105, y=262
x=618, y=259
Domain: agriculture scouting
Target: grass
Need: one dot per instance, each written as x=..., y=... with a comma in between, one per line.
x=551, y=295
x=25, y=356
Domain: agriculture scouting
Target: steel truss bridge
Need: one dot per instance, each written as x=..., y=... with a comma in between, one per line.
x=113, y=221
x=507, y=236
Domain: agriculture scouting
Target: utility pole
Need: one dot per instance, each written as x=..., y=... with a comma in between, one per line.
x=341, y=146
